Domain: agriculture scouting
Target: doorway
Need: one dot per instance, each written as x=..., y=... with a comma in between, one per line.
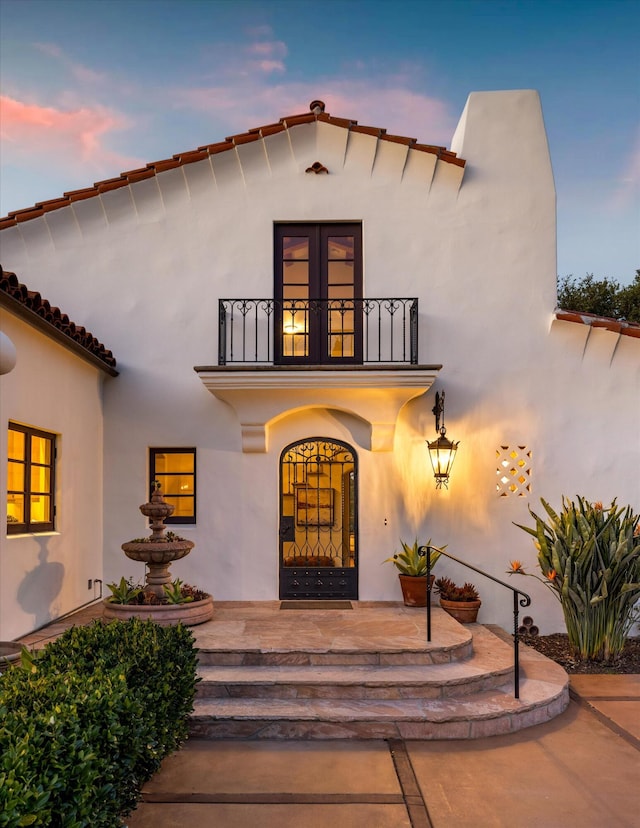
x=318, y=521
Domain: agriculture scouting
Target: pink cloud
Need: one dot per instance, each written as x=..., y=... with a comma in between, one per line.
x=73, y=138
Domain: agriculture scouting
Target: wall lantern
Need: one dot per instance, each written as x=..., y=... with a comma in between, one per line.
x=441, y=451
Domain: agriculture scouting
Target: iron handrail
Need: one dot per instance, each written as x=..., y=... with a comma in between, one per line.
x=525, y=601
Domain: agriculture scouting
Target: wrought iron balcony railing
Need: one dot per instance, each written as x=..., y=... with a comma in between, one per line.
x=318, y=331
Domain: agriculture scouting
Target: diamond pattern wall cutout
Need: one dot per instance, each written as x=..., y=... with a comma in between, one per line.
x=513, y=471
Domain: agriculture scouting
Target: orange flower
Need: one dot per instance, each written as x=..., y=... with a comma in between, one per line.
x=597, y=506
x=551, y=575
x=516, y=566
x=636, y=531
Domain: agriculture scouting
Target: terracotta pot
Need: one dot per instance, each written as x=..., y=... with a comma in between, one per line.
x=465, y=612
x=414, y=589
x=195, y=612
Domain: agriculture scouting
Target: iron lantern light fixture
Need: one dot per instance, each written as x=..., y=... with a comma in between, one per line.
x=441, y=451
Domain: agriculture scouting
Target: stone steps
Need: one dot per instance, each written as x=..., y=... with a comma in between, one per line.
x=458, y=690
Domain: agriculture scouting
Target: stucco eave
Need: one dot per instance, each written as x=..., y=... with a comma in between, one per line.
x=261, y=397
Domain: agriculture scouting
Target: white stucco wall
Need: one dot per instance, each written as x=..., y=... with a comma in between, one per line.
x=44, y=576
x=143, y=267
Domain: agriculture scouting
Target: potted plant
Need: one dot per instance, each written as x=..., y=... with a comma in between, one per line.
x=411, y=564
x=462, y=602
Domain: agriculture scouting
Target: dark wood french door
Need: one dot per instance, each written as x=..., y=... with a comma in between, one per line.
x=318, y=293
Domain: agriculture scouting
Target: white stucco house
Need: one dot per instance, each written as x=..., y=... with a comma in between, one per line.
x=283, y=307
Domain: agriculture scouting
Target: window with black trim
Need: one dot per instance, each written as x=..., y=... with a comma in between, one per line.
x=31, y=455
x=175, y=470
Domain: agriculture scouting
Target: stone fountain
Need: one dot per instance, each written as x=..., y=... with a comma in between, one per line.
x=158, y=553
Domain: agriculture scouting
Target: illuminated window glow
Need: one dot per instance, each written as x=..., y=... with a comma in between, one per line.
x=175, y=470
x=30, y=480
x=513, y=471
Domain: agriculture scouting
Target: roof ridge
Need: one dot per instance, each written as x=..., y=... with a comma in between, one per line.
x=50, y=316
x=316, y=113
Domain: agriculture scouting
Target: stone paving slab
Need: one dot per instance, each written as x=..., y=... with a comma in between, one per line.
x=292, y=767
x=572, y=771
x=230, y=815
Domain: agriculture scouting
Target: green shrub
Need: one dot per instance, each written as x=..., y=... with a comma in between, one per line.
x=90, y=722
x=589, y=557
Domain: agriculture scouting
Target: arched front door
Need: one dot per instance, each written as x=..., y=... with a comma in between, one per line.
x=318, y=520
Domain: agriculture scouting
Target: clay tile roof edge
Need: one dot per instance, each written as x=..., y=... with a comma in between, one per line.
x=29, y=305
x=619, y=326
x=179, y=159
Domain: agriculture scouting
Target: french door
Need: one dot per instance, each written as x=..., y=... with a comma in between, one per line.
x=318, y=293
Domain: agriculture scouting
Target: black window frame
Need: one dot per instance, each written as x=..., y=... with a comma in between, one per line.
x=153, y=452
x=28, y=526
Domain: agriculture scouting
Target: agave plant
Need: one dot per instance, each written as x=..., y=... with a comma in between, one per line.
x=589, y=557
x=411, y=561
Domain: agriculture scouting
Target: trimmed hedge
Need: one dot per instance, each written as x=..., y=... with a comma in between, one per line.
x=89, y=723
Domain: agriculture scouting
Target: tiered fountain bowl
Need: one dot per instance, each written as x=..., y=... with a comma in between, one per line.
x=158, y=553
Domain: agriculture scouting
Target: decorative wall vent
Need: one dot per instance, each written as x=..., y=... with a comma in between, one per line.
x=513, y=471
x=317, y=168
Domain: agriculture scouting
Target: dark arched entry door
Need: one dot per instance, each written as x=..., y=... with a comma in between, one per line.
x=318, y=520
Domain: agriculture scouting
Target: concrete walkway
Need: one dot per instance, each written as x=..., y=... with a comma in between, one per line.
x=581, y=770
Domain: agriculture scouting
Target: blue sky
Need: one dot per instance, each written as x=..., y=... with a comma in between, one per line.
x=94, y=87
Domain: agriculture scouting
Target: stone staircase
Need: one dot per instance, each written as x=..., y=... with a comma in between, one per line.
x=366, y=674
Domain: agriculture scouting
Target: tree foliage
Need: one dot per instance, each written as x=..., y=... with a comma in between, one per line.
x=604, y=297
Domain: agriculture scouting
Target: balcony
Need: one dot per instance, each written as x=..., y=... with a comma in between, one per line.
x=359, y=356
x=318, y=331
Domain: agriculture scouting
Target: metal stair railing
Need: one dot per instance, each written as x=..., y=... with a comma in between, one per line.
x=524, y=601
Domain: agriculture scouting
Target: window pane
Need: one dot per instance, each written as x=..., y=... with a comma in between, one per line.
x=184, y=506
x=15, y=476
x=340, y=322
x=40, y=450
x=340, y=273
x=175, y=484
x=15, y=508
x=295, y=292
x=340, y=247
x=295, y=247
x=174, y=462
x=40, y=479
x=341, y=292
x=40, y=508
x=16, y=443
x=295, y=273
x=341, y=346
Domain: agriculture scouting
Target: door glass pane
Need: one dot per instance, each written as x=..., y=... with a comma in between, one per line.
x=15, y=508
x=40, y=450
x=40, y=479
x=341, y=292
x=16, y=443
x=295, y=273
x=341, y=346
x=295, y=247
x=295, y=292
x=340, y=273
x=15, y=476
x=40, y=508
x=340, y=247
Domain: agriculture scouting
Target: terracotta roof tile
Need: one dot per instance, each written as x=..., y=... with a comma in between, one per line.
x=619, y=326
x=317, y=113
x=30, y=304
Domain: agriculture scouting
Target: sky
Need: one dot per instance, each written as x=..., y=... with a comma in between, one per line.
x=91, y=88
